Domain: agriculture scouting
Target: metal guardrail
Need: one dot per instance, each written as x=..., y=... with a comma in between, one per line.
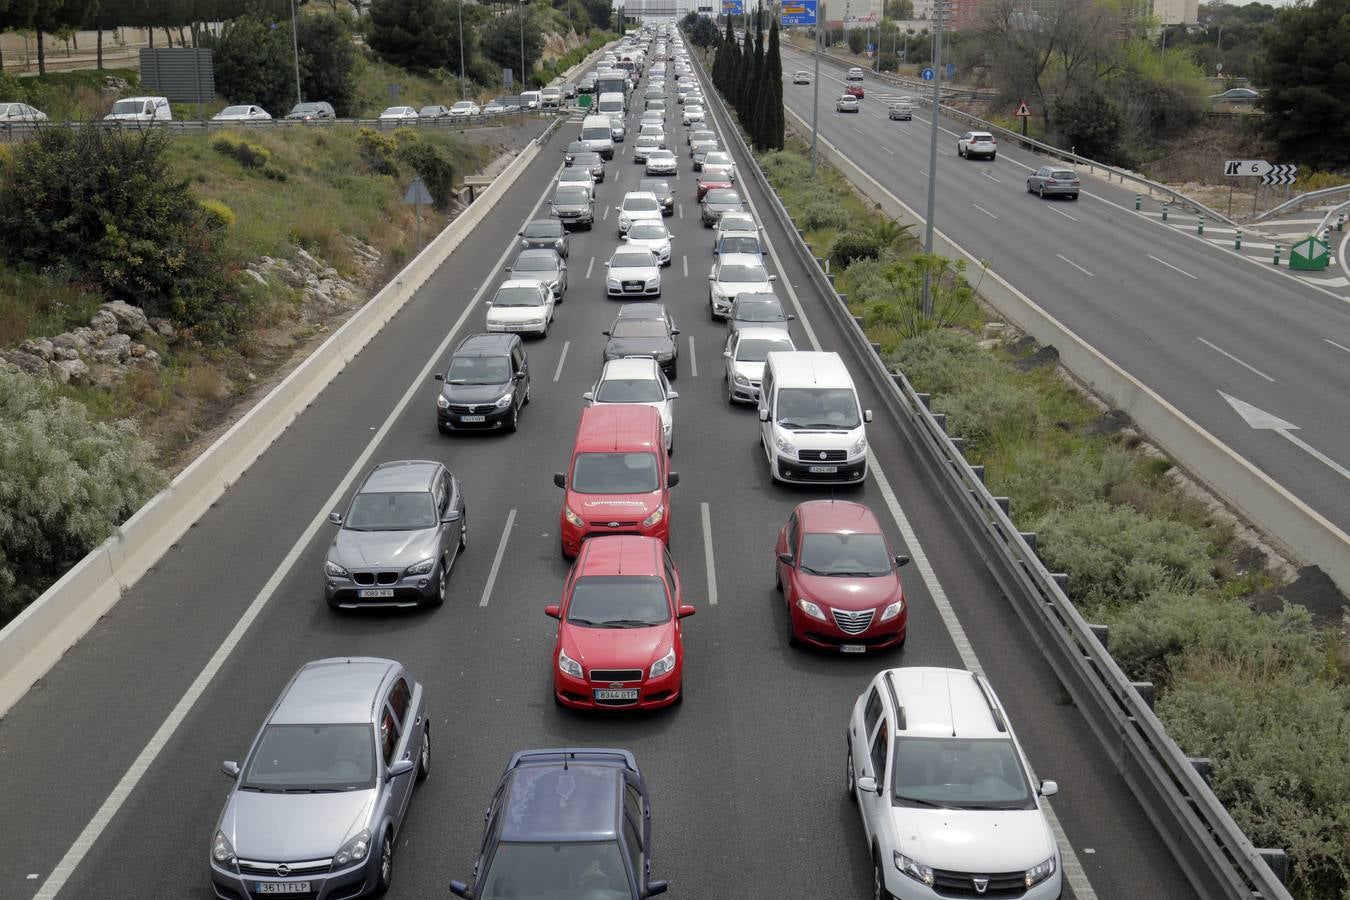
x=1326, y=220
x=1218, y=859
x=1305, y=197
x=901, y=81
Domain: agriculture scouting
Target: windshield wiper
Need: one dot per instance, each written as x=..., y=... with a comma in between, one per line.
x=573, y=620
x=627, y=623
x=919, y=801
x=810, y=571
x=847, y=574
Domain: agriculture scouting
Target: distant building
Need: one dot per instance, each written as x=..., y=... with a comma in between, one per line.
x=1176, y=12
x=853, y=13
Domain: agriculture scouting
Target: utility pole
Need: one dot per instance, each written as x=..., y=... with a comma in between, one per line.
x=522, y=42
x=815, y=96
x=939, y=10
x=459, y=5
x=295, y=46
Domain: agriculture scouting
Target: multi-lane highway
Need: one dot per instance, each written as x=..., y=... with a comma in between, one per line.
x=1187, y=318
x=110, y=773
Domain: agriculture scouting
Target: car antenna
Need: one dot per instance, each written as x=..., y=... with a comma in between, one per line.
x=950, y=709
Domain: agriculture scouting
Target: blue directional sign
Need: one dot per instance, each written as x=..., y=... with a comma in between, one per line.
x=733, y=8
x=928, y=73
x=799, y=12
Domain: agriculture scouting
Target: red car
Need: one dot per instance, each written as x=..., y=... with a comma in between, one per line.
x=619, y=644
x=707, y=184
x=854, y=90
x=839, y=578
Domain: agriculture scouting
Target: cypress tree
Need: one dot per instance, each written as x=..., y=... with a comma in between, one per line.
x=773, y=124
x=752, y=111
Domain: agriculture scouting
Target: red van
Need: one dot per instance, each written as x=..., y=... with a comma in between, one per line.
x=619, y=478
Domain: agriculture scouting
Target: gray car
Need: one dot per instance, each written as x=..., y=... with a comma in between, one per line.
x=316, y=808
x=548, y=234
x=758, y=310
x=402, y=533
x=663, y=192
x=544, y=266
x=1054, y=181
x=573, y=206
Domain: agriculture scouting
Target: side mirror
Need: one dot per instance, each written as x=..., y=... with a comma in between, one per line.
x=230, y=768
x=560, y=479
x=438, y=377
x=401, y=767
x=553, y=611
x=521, y=233
x=786, y=559
x=487, y=302
x=1049, y=788
x=672, y=479
x=589, y=395
x=773, y=277
x=673, y=395
x=335, y=518
x=764, y=415
x=868, y=785
x=867, y=415
x=519, y=376
x=726, y=354
x=791, y=317
x=674, y=331
x=460, y=889
x=901, y=560
x=450, y=516
x=605, y=333
x=654, y=888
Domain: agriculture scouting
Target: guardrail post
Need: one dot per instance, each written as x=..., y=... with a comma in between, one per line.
x=1004, y=504
x=820, y=261
x=1203, y=766
x=1103, y=633
x=1165, y=208
x=1061, y=580
x=1276, y=260
x=843, y=298
x=926, y=400
x=858, y=320
x=979, y=472
x=1237, y=239
x=876, y=348
x=1030, y=538
x=1200, y=224
x=1138, y=201
x=940, y=419
x=959, y=444
x=1145, y=691
x=1278, y=861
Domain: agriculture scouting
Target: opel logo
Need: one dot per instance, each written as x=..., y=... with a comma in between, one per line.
x=283, y=870
x=823, y=455
x=981, y=884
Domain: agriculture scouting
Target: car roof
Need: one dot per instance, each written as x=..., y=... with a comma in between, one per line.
x=839, y=516
x=638, y=195
x=762, y=333
x=809, y=368
x=487, y=344
x=739, y=259
x=401, y=475
x=630, y=368
x=620, y=554
x=539, y=253
x=940, y=702
x=549, y=803
x=333, y=691
x=519, y=283
x=642, y=311
x=618, y=427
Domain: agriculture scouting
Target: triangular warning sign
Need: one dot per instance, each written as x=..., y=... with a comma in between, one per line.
x=1022, y=110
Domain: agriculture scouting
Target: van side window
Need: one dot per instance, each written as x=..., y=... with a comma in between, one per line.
x=880, y=750
x=872, y=712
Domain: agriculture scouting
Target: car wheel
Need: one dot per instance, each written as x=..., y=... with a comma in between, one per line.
x=879, y=891
x=959, y=151
x=850, y=778
x=527, y=394
x=791, y=632
x=385, y=877
x=514, y=423
x=1030, y=189
x=464, y=531
x=440, y=426
x=712, y=311
x=442, y=585
x=1041, y=192
x=333, y=604
x=731, y=392
x=993, y=156
x=1073, y=196
x=424, y=757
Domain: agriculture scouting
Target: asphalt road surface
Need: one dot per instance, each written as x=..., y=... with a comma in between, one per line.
x=110, y=765
x=1187, y=318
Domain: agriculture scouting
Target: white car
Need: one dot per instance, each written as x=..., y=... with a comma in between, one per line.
x=692, y=114
x=701, y=134
x=977, y=143
x=646, y=143
x=617, y=130
x=637, y=380
x=744, y=360
x=944, y=791
x=719, y=165
x=633, y=273
x=579, y=176
x=732, y=274
x=652, y=118
x=465, y=108
x=801, y=76
x=399, y=114
x=242, y=113
x=846, y=103
x=651, y=236
x=521, y=307
x=854, y=74
x=550, y=97
x=638, y=206
x=20, y=112
x=653, y=129
x=734, y=223
x=662, y=162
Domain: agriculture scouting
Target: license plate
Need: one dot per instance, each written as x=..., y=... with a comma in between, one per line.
x=281, y=887
x=625, y=694
x=375, y=592
x=852, y=648
x=823, y=470
x=632, y=285
x=473, y=418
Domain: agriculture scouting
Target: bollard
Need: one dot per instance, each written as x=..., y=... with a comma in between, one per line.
x=1237, y=239
x=1138, y=201
x=1200, y=225
x=1326, y=236
x=1165, y=206
x=1276, y=260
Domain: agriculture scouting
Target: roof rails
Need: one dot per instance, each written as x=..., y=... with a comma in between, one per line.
x=895, y=701
x=989, y=699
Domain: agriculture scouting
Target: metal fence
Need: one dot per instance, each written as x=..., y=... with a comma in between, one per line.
x=1301, y=200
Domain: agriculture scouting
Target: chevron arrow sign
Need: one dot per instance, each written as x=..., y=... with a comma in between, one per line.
x=1281, y=174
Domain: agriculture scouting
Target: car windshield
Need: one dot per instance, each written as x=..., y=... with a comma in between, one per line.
x=430, y=110
x=631, y=328
x=716, y=159
x=615, y=473
x=736, y=223
x=556, y=871
x=234, y=111
x=739, y=244
x=534, y=264
x=647, y=233
x=959, y=774
x=862, y=555
x=641, y=204
x=630, y=390
x=742, y=274
x=758, y=311
x=571, y=195
x=618, y=602
x=722, y=196
x=648, y=140
x=589, y=158
x=661, y=154
x=544, y=230
x=572, y=173
x=127, y=107
x=478, y=370
x=981, y=137
x=758, y=349
x=307, y=759
x=632, y=261
x=833, y=408
x=463, y=104
x=392, y=511
x=595, y=133
x=302, y=108
x=518, y=296
x=655, y=187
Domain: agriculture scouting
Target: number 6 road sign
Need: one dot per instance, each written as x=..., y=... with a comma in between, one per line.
x=1246, y=167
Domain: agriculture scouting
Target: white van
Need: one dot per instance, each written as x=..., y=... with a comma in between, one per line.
x=140, y=109
x=597, y=135
x=611, y=103
x=811, y=424
x=532, y=99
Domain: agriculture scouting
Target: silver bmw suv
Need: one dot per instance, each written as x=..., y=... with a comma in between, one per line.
x=401, y=535
x=316, y=808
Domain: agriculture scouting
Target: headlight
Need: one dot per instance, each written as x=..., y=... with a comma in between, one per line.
x=666, y=663
x=612, y=282
x=421, y=568
x=624, y=223
x=354, y=850
x=810, y=609
x=859, y=447
x=223, y=853
x=1041, y=871
x=441, y=402
x=503, y=401
x=892, y=611
x=914, y=869
x=333, y=569
x=657, y=515
x=741, y=379
x=573, y=518
x=569, y=666
x=782, y=443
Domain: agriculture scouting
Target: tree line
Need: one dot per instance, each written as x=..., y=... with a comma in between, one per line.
x=750, y=77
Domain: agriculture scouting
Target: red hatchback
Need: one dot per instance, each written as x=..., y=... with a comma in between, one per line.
x=619, y=638
x=839, y=578
x=854, y=90
x=707, y=183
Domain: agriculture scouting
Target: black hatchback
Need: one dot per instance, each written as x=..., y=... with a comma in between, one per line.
x=484, y=385
x=573, y=823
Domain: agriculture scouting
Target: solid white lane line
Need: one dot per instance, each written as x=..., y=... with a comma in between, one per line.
x=1062, y=213
x=708, y=554
x=991, y=177
x=693, y=360
x=605, y=215
x=1336, y=345
x=888, y=149
x=1216, y=348
x=943, y=152
x=1172, y=267
x=1075, y=265
x=983, y=210
x=685, y=261
x=497, y=560
x=561, y=359
x=73, y=856
x=590, y=265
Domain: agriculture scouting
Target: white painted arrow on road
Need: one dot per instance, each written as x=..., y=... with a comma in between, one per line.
x=1260, y=419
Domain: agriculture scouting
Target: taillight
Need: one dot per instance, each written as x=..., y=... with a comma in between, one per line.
x=1050, y=181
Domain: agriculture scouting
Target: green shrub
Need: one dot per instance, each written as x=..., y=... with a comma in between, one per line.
x=1039, y=476
x=1115, y=555
x=274, y=173
x=65, y=482
x=942, y=361
x=995, y=412
x=430, y=164
x=378, y=151
x=220, y=215
x=250, y=156
x=851, y=246
x=818, y=214
x=784, y=168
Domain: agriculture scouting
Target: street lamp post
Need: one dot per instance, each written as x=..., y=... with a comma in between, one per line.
x=815, y=97
x=938, y=11
x=459, y=4
x=522, y=41
x=295, y=46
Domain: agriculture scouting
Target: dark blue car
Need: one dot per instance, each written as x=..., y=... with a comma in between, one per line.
x=566, y=825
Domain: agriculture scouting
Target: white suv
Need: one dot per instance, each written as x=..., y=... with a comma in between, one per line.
x=945, y=792
x=977, y=143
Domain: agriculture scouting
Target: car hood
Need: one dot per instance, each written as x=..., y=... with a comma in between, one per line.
x=537, y=277
x=973, y=840
x=516, y=313
x=474, y=393
x=852, y=594
x=658, y=347
x=720, y=208
x=656, y=245
x=573, y=207
x=732, y=288
x=613, y=507
x=382, y=548
x=754, y=371
x=617, y=648
x=293, y=827
x=635, y=273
